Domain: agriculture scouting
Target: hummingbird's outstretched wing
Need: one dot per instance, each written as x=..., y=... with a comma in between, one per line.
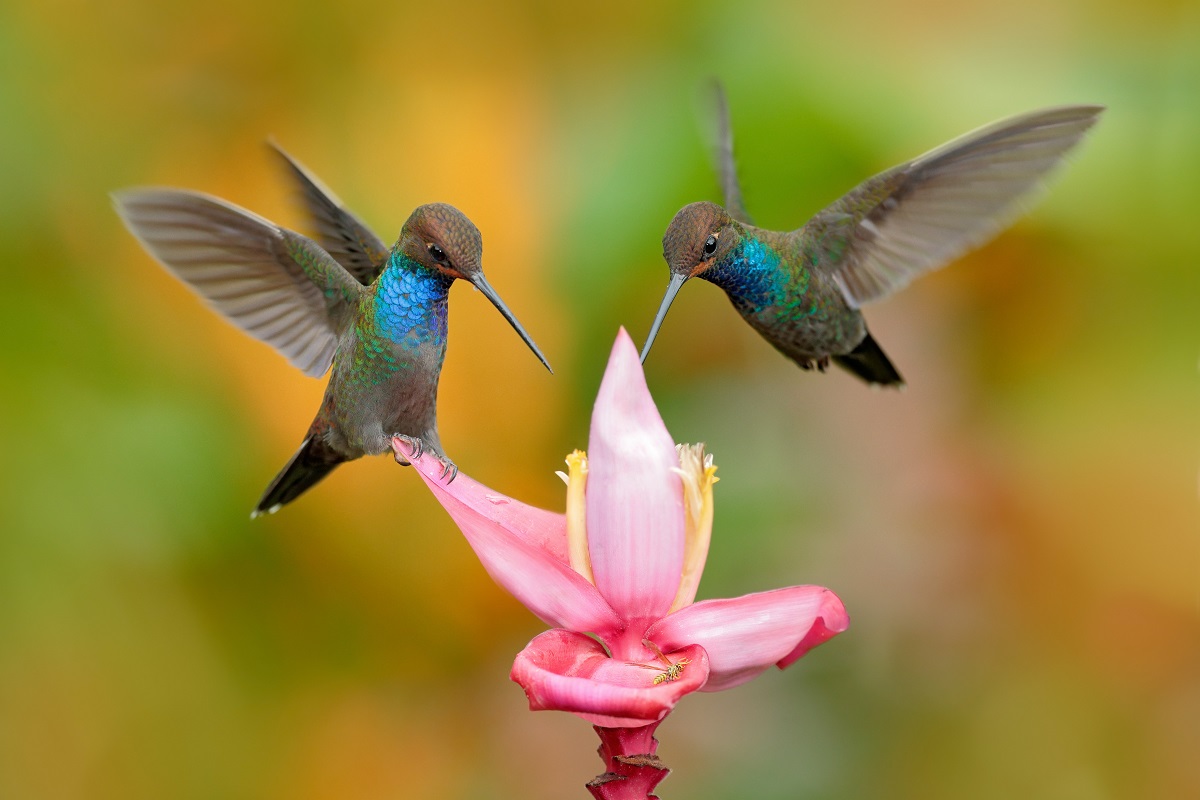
x=719, y=133
x=343, y=235
x=275, y=284
x=920, y=215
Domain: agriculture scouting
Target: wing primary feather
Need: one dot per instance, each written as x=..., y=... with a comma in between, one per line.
x=719, y=131
x=922, y=214
x=273, y=283
x=351, y=243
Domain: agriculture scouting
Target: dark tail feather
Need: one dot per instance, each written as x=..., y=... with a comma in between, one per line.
x=869, y=362
x=312, y=462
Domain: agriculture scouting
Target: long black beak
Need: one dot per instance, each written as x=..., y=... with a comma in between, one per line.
x=677, y=281
x=482, y=285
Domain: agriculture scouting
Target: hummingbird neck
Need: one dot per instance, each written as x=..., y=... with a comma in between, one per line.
x=750, y=275
x=410, y=303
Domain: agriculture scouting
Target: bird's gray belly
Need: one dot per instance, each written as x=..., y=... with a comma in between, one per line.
x=811, y=334
x=368, y=409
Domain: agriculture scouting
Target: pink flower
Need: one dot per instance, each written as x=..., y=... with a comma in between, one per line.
x=616, y=576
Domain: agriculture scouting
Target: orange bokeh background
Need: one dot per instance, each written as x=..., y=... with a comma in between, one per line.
x=1015, y=535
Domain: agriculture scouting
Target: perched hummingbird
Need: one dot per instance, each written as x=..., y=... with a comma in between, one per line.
x=377, y=315
x=802, y=290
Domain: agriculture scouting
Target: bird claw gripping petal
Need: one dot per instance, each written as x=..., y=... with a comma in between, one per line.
x=417, y=446
x=449, y=468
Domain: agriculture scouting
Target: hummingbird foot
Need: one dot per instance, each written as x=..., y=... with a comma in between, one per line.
x=448, y=468
x=415, y=445
x=416, y=449
x=819, y=364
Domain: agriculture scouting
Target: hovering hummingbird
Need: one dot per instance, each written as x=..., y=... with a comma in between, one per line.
x=802, y=289
x=378, y=316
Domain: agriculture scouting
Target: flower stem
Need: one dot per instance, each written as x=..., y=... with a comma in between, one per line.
x=632, y=769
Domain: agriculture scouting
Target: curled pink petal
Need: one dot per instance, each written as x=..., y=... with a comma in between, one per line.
x=818, y=634
x=563, y=670
x=544, y=529
x=745, y=635
x=518, y=560
x=635, y=513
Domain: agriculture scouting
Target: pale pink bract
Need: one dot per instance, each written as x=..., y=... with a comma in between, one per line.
x=644, y=516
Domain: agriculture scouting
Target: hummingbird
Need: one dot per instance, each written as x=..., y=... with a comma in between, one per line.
x=802, y=290
x=376, y=315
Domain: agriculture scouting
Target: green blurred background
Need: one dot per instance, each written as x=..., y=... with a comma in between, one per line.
x=1015, y=535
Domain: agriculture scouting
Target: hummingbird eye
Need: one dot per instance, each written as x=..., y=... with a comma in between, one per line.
x=439, y=255
x=710, y=245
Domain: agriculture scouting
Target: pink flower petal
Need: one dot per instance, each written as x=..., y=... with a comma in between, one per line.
x=523, y=548
x=635, y=514
x=745, y=635
x=544, y=529
x=562, y=670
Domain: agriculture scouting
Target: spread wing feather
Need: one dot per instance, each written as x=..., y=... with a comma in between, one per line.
x=719, y=132
x=339, y=232
x=922, y=214
x=276, y=285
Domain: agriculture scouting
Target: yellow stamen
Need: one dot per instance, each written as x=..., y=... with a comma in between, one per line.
x=577, y=541
x=699, y=474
